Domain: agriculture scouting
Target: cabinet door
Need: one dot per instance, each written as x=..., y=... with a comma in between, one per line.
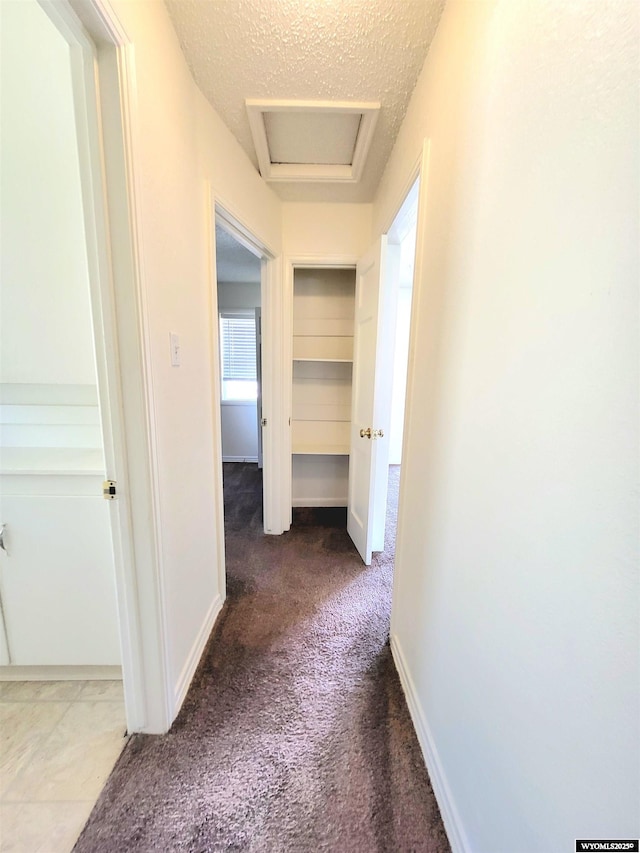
x=58, y=582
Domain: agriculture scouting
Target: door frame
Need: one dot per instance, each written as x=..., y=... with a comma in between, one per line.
x=105, y=94
x=291, y=264
x=222, y=214
x=419, y=171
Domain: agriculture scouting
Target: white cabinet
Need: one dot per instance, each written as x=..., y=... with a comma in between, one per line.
x=57, y=580
x=323, y=311
x=58, y=583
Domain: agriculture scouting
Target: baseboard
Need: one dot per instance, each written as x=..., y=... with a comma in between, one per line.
x=195, y=654
x=60, y=673
x=240, y=459
x=450, y=817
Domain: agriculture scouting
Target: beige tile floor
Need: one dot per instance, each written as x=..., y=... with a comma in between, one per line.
x=59, y=741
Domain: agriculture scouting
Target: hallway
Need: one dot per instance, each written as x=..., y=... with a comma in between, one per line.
x=295, y=735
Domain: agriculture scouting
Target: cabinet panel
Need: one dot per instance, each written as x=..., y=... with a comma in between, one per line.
x=324, y=326
x=58, y=582
x=319, y=348
x=323, y=293
x=320, y=480
x=318, y=437
x=321, y=412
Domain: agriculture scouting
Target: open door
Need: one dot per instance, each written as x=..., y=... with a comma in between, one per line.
x=369, y=445
x=259, y=380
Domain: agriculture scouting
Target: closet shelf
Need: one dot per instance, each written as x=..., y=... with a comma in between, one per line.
x=320, y=359
x=320, y=450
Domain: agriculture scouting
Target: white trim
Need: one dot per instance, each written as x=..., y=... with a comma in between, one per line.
x=158, y=716
x=312, y=172
x=275, y=433
x=70, y=21
x=230, y=219
x=216, y=389
x=450, y=816
x=252, y=403
x=418, y=267
x=60, y=673
x=417, y=171
x=314, y=261
x=188, y=670
x=240, y=459
x=140, y=582
x=101, y=20
x=272, y=358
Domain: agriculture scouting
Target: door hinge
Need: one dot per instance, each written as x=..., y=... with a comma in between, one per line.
x=109, y=490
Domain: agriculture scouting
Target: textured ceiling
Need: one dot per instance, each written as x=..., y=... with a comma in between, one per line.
x=345, y=50
x=233, y=261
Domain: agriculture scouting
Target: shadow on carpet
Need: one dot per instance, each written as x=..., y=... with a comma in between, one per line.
x=295, y=735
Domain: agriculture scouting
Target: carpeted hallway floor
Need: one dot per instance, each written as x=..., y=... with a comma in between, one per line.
x=295, y=735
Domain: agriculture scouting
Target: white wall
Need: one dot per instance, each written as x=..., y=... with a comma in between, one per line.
x=182, y=145
x=46, y=334
x=516, y=596
x=326, y=229
x=239, y=418
x=239, y=431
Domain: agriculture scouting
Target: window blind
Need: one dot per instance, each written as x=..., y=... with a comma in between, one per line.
x=238, y=347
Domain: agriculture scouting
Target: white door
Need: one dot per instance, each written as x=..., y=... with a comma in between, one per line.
x=259, y=380
x=57, y=579
x=369, y=445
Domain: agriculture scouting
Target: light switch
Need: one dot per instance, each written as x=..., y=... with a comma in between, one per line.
x=175, y=349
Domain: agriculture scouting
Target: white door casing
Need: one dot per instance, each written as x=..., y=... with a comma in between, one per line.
x=104, y=81
x=369, y=451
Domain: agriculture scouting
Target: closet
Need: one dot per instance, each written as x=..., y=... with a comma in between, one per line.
x=323, y=316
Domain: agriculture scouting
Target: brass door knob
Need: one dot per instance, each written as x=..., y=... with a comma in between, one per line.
x=371, y=433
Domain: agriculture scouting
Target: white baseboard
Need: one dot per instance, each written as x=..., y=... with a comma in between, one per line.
x=195, y=654
x=450, y=817
x=240, y=459
x=60, y=673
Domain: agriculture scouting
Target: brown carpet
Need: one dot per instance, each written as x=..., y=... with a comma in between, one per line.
x=295, y=735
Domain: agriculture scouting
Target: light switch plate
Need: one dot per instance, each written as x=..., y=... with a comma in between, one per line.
x=175, y=349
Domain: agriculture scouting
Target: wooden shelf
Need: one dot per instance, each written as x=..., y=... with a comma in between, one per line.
x=320, y=450
x=326, y=360
x=318, y=434
x=322, y=352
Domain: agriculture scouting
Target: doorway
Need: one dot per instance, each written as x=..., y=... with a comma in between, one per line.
x=239, y=325
x=401, y=241
x=380, y=366
x=61, y=695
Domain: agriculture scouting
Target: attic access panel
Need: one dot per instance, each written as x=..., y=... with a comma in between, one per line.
x=312, y=141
